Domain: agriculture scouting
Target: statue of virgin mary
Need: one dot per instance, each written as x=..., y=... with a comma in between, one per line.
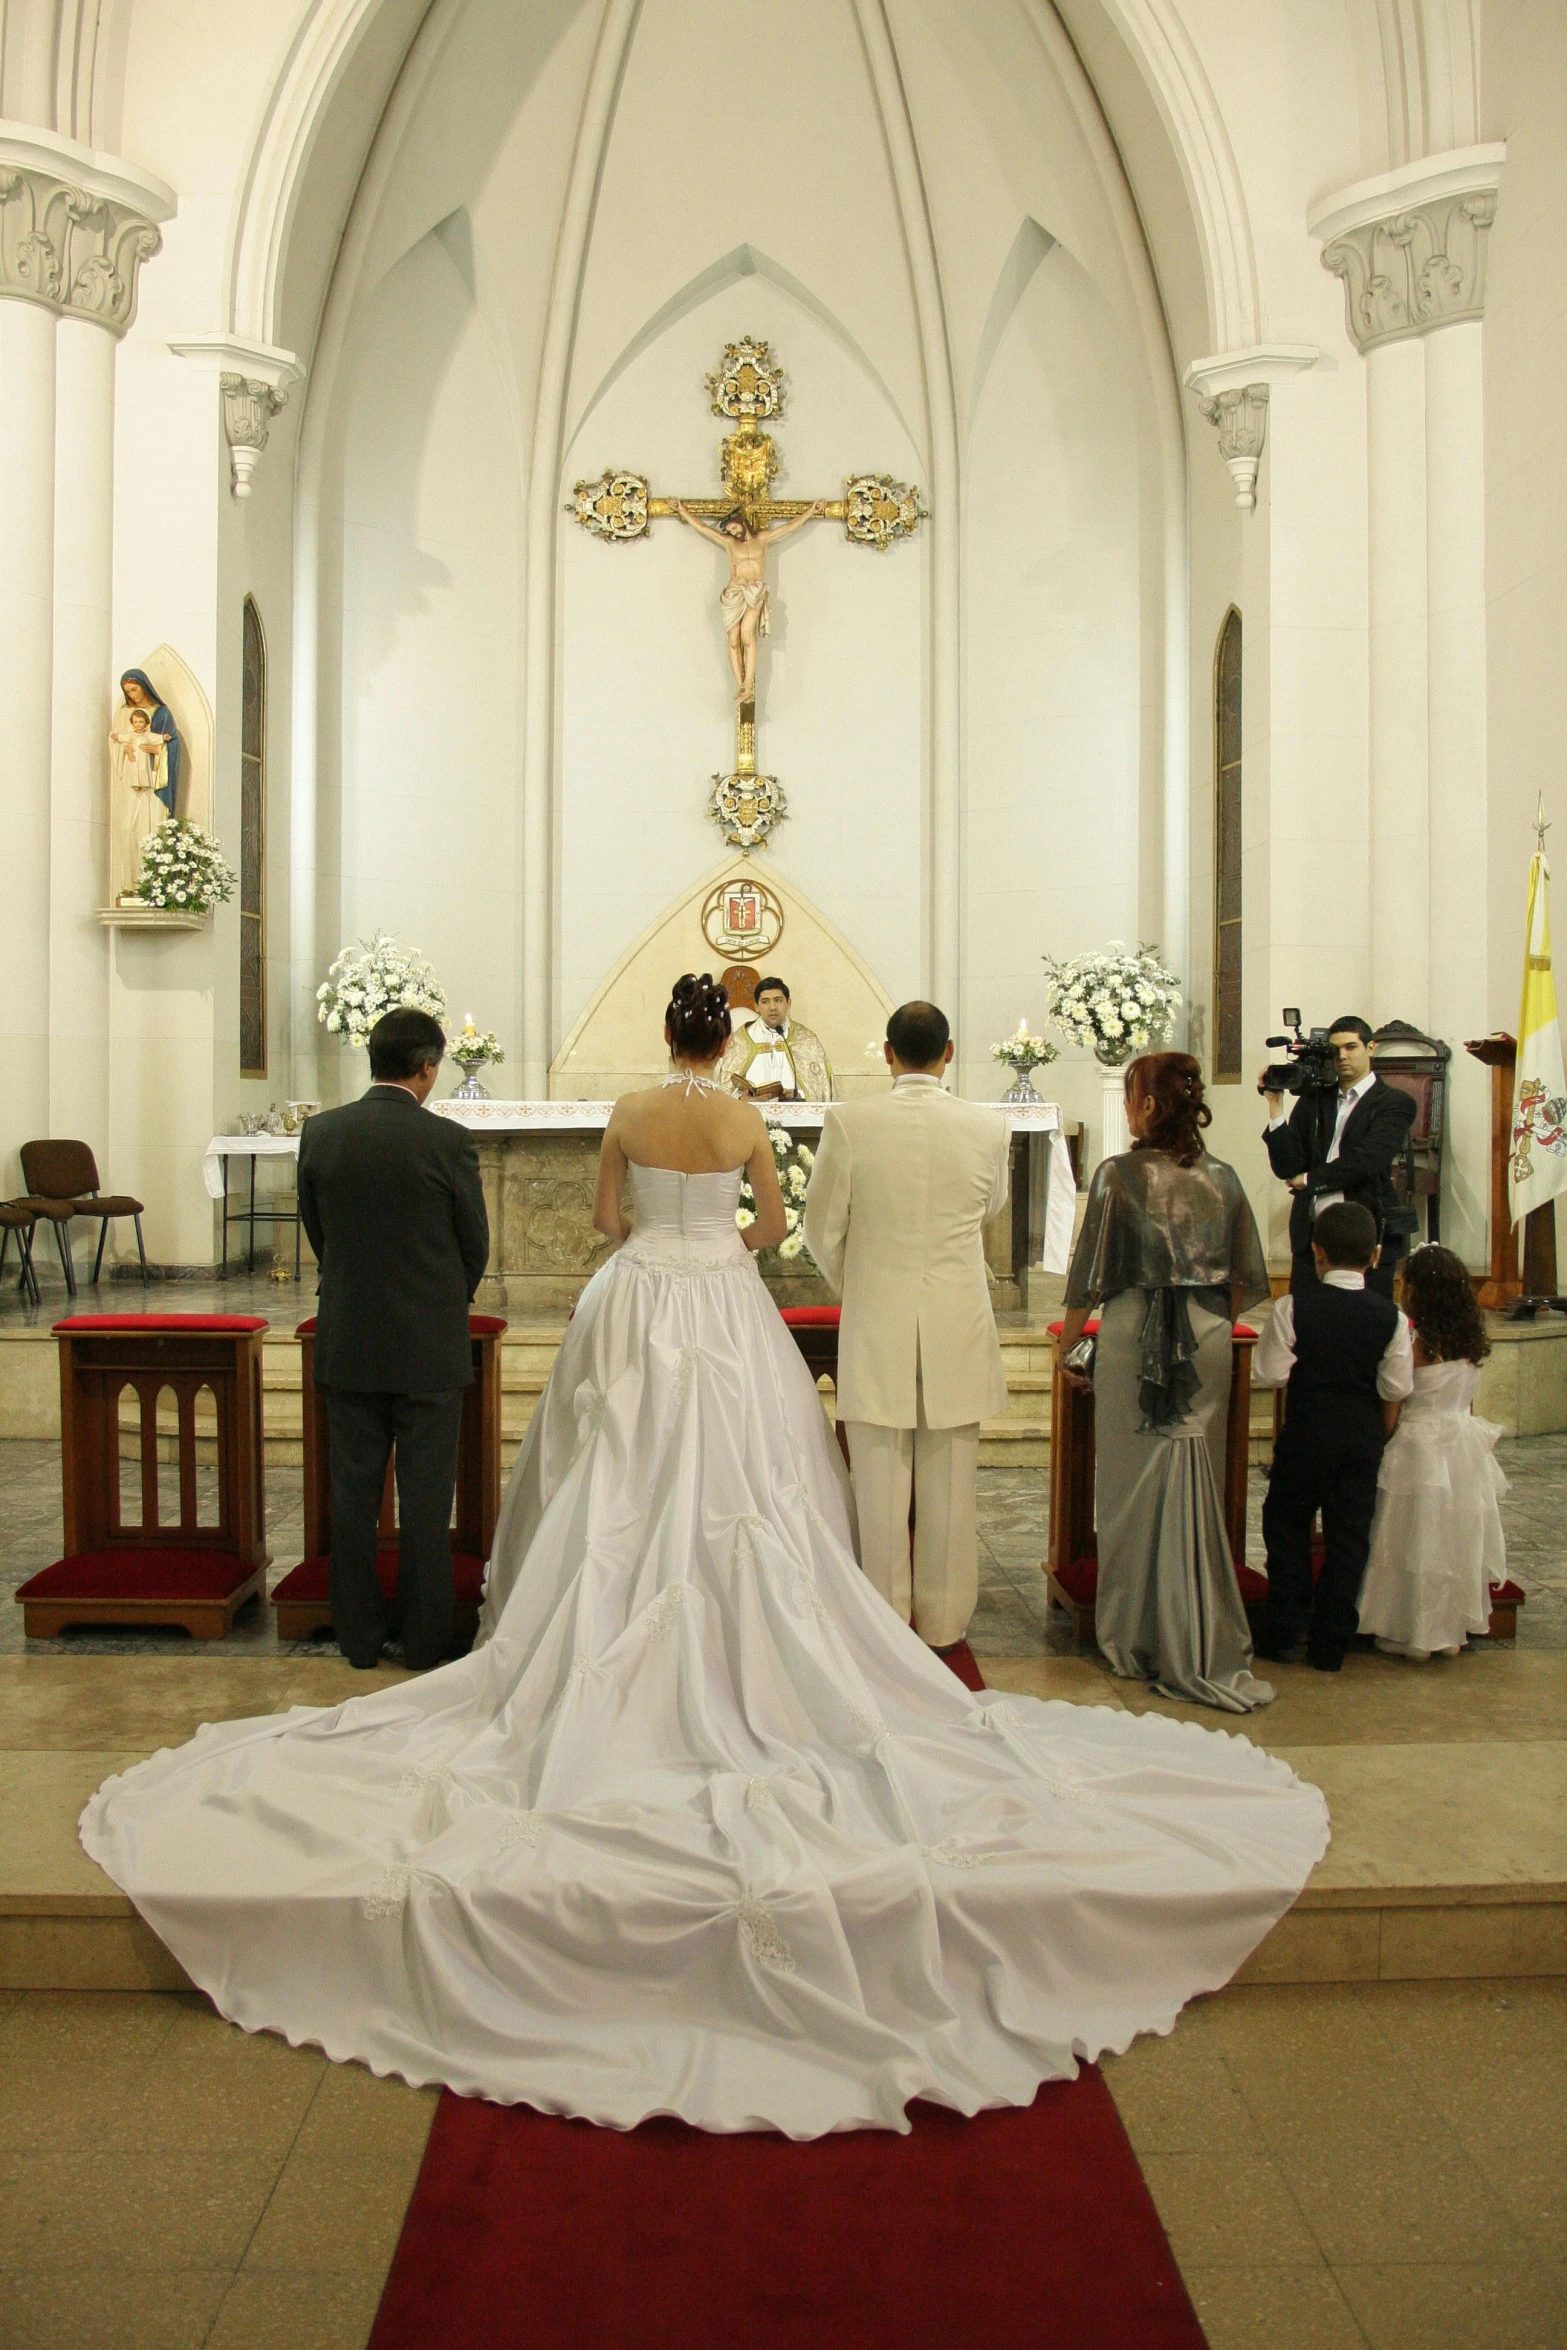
x=144, y=772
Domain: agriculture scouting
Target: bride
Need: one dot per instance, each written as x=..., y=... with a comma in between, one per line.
x=700, y=1827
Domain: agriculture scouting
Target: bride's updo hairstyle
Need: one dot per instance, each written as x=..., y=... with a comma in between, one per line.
x=697, y=1023
x=1172, y=1084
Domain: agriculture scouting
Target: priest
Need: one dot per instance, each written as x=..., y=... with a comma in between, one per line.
x=773, y=1058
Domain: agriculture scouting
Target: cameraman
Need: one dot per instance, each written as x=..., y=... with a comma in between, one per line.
x=1342, y=1145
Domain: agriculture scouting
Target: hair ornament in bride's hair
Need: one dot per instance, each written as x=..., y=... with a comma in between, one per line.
x=697, y=1022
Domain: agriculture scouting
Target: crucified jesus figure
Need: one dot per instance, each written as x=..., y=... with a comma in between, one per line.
x=744, y=602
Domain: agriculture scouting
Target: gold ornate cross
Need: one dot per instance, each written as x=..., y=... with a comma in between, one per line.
x=747, y=391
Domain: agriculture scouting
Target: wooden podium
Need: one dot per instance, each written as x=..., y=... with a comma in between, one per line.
x=1073, y=1565
x=188, y=1557
x=1505, y=1279
x=303, y=1598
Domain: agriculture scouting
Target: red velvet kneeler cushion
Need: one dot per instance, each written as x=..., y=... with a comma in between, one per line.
x=813, y=1317
x=174, y=1575
x=76, y=1324
x=311, y=1579
x=1508, y=1594
x=1079, y=1579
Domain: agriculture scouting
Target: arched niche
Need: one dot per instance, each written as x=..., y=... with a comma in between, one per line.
x=617, y=1044
x=177, y=686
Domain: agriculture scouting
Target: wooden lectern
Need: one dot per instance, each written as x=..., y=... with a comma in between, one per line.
x=1505, y=1280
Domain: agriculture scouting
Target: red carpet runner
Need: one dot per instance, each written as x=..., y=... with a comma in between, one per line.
x=1023, y=2230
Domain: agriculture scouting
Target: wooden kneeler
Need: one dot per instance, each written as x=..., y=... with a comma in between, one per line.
x=814, y=1330
x=1072, y=1569
x=182, y=1573
x=303, y=1598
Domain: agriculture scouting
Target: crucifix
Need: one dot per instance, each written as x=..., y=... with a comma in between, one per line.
x=747, y=391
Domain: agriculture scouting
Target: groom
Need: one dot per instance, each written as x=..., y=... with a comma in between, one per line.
x=898, y=1197
x=391, y=1201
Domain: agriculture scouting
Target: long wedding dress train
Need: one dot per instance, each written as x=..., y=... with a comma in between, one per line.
x=700, y=1828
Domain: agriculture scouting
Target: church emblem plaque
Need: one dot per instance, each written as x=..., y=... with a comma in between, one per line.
x=742, y=919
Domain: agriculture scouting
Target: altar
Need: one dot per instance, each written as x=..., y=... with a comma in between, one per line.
x=539, y=1162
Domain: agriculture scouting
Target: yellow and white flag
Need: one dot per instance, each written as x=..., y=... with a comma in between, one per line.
x=1537, y=1170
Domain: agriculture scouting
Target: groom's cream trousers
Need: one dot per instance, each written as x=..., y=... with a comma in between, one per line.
x=895, y=1218
x=935, y=1590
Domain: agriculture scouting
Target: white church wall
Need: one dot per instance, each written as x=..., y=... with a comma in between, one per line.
x=430, y=627
x=1053, y=615
x=1524, y=80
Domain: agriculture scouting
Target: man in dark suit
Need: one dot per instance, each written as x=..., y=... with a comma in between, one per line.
x=391, y=1200
x=1343, y=1145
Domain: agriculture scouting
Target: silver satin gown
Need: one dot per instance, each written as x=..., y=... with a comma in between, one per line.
x=1162, y=1247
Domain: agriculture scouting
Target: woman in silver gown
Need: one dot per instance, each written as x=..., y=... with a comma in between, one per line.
x=1170, y=1255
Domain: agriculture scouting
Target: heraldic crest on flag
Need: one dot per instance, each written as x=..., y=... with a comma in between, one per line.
x=1537, y=1169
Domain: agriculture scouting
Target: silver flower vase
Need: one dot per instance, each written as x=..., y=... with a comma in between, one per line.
x=1021, y=1092
x=470, y=1089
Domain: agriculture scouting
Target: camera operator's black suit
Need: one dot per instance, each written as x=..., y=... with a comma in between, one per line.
x=1373, y=1139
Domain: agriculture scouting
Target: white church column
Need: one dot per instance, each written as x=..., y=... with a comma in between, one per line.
x=943, y=955
x=26, y=632
x=75, y=228
x=1411, y=249
x=78, y=827
x=1396, y=588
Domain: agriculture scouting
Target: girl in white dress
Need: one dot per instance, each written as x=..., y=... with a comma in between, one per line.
x=1436, y=1541
x=701, y=1827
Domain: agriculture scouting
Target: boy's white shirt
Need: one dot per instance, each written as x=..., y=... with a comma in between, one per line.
x=1275, y=1356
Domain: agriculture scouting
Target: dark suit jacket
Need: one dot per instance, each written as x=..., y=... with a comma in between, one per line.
x=1373, y=1139
x=390, y=1197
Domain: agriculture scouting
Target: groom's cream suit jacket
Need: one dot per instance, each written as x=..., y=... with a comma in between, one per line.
x=898, y=1197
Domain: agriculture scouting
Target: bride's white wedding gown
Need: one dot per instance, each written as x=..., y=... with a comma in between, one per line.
x=700, y=1828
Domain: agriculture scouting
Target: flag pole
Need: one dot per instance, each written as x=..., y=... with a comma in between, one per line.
x=1538, y=1151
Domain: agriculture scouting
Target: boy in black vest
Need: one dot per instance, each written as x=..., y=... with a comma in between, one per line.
x=1349, y=1362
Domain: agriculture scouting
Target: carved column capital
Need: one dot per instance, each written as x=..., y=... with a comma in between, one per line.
x=75, y=227
x=249, y=406
x=254, y=380
x=1231, y=389
x=1411, y=246
x=1242, y=419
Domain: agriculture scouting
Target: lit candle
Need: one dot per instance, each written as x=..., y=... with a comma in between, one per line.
x=1022, y=1026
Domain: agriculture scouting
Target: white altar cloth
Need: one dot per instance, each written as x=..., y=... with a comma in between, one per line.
x=1044, y=1119
x=243, y=1146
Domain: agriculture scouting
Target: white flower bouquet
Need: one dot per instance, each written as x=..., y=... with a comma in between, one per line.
x=183, y=870
x=1117, y=1002
x=474, y=1049
x=794, y=1161
x=374, y=977
x=1020, y=1053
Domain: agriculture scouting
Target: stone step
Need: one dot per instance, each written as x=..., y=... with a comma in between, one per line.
x=1448, y=1860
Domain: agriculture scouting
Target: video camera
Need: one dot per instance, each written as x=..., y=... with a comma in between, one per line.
x=1311, y=1068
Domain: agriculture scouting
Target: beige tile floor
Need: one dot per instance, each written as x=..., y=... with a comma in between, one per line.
x=1375, y=2167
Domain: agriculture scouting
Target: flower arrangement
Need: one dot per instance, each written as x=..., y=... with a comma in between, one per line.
x=1020, y=1053
x=794, y=1161
x=1116, y=1001
x=473, y=1050
x=371, y=978
x=183, y=870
